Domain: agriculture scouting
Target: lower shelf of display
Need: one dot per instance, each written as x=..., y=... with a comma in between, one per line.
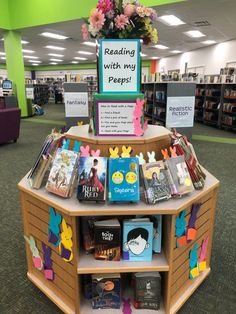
x=89, y=265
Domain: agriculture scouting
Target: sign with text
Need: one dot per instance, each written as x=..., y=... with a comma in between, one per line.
x=29, y=92
x=115, y=117
x=180, y=111
x=119, y=66
x=76, y=104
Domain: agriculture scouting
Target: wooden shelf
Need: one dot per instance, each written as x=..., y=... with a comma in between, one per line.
x=89, y=265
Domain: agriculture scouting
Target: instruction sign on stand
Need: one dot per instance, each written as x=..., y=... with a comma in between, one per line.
x=180, y=112
x=76, y=104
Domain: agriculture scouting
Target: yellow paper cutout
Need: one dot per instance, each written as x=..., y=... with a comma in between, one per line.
x=66, y=241
x=114, y=152
x=202, y=266
x=79, y=123
x=126, y=151
x=194, y=272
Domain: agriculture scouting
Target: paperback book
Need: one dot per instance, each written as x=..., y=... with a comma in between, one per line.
x=107, y=239
x=106, y=291
x=92, y=179
x=137, y=239
x=156, y=182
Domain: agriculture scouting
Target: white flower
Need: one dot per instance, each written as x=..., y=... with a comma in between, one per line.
x=93, y=31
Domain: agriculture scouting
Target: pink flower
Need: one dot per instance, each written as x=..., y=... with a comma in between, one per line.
x=143, y=11
x=129, y=10
x=105, y=6
x=97, y=19
x=121, y=21
x=85, y=32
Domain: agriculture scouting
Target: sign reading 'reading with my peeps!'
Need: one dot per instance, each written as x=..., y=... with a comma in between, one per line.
x=119, y=66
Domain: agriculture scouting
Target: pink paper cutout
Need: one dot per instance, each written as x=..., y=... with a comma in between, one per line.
x=145, y=125
x=84, y=151
x=138, y=110
x=37, y=262
x=49, y=274
x=203, y=252
x=95, y=153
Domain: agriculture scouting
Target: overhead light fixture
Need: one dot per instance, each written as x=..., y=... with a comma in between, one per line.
x=176, y=51
x=35, y=64
x=35, y=61
x=208, y=42
x=28, y=51
x=54, y=63
x=171, y=20
x=24, y=42
x=143, y=54
x=75, y=62
x=56, y=60
x=161, y=47
x=31, y=57
x=85, y=52
x=2, y=53
x=53, y=35
x=55, y=55
x=55, y=47
x=80, y=58
x=155, y=58
x=89, y=43
x=3, y=58
x=194, y=34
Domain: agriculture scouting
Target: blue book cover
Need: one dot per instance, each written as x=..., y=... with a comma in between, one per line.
x=123, y=183
x=137, y=240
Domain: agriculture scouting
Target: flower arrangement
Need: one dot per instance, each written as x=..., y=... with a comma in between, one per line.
x=121, y=19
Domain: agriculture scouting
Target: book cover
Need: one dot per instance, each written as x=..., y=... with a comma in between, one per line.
x=137, y=240
x=156, y=182
x=92, y=179
x=62, y=172
x=106, y=291
x=180, y=175
x=107, y=239
x=123, y=180
x=147, y=291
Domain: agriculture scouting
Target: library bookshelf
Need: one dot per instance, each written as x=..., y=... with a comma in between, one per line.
x=173, y=263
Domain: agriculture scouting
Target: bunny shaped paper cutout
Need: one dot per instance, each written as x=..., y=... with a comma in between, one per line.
x=126, y=151
x=165, y=154
x=137, y=115
x=84, y=151
x=54, y=227
x=80, y=123
x=35, y=252
x=180, y=224
x=173, y=151
x=48, y=271
x=95, y=153
x=66, y=244
x=138, y=110
x=114, y=152
x=193, y=262
x=65, y=144
x=191, y=231
x=203, y=255
x=141, y=160
x=138, y=130
x=151, y=156
x=126, y=306
x=76, y=147
x=145, y=125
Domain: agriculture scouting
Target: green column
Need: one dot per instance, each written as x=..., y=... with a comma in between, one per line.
x=15, y=67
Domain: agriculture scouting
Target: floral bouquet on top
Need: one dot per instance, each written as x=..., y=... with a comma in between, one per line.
x=121, y=19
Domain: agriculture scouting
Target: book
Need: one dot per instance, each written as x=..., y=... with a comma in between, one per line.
x=106, y=291
x=123, y=184
x=137, y=239
x=156, y=182
x=92, y=179
x=181, y=180
x=44, y=164
x=107, y=240
x=147, y=292
x=61, y=176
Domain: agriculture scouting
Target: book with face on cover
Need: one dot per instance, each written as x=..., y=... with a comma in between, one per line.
x=62, y=173
x=92, y=179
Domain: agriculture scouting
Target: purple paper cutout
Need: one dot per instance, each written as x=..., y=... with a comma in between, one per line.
x=126, y=306
x=193, y=217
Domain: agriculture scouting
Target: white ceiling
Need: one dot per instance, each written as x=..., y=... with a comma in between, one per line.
x=221, y=15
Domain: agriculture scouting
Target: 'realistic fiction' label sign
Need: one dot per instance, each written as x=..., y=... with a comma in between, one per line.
x=119, y=66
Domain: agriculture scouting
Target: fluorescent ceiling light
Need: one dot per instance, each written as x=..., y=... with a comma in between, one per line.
x=55, y=47
x=194, y=34
x=3, y=58
x=85, y=52
x=28, y=51
x=143, y=54
x=209, y=42
x=75, y=62
x=35, y=64
x=155, y=58
x=55, y=55
x=52, y=35
x=176, y=51
x=54, y=63
x=24, y=42
x=31, y=57
x=89, y=43
x=35, y=61
x=171, y=20
x=80, y=58
x=161, y=47
x=56, y=60
x=2, y=53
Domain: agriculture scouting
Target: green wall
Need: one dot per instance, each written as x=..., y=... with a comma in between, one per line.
x=4, y=14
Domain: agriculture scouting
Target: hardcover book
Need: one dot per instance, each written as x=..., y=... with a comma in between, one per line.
x=62, y=173
x=156, y=182
x=107, y=239
x=92, y=179
x=147, y=291
x=106, y=291
x=137, y=239
x=123, y=183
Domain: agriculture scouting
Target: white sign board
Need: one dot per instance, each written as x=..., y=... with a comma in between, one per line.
x=180, y=111
x=1, y=91
x=115, y=118
x=76, y=104
x=29, y=92
x=119, y=66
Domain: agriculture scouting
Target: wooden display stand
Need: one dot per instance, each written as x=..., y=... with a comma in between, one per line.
x=172, y=263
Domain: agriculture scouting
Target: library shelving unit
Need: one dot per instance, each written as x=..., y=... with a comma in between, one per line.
x=172, y=262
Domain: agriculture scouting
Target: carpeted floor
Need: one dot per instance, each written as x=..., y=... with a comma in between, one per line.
x=217, y=295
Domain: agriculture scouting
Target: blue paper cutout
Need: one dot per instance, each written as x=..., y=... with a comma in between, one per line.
x=54, y=227
x=193, y=257
x=77, y=145
x=180, y=224
x=65, y=144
